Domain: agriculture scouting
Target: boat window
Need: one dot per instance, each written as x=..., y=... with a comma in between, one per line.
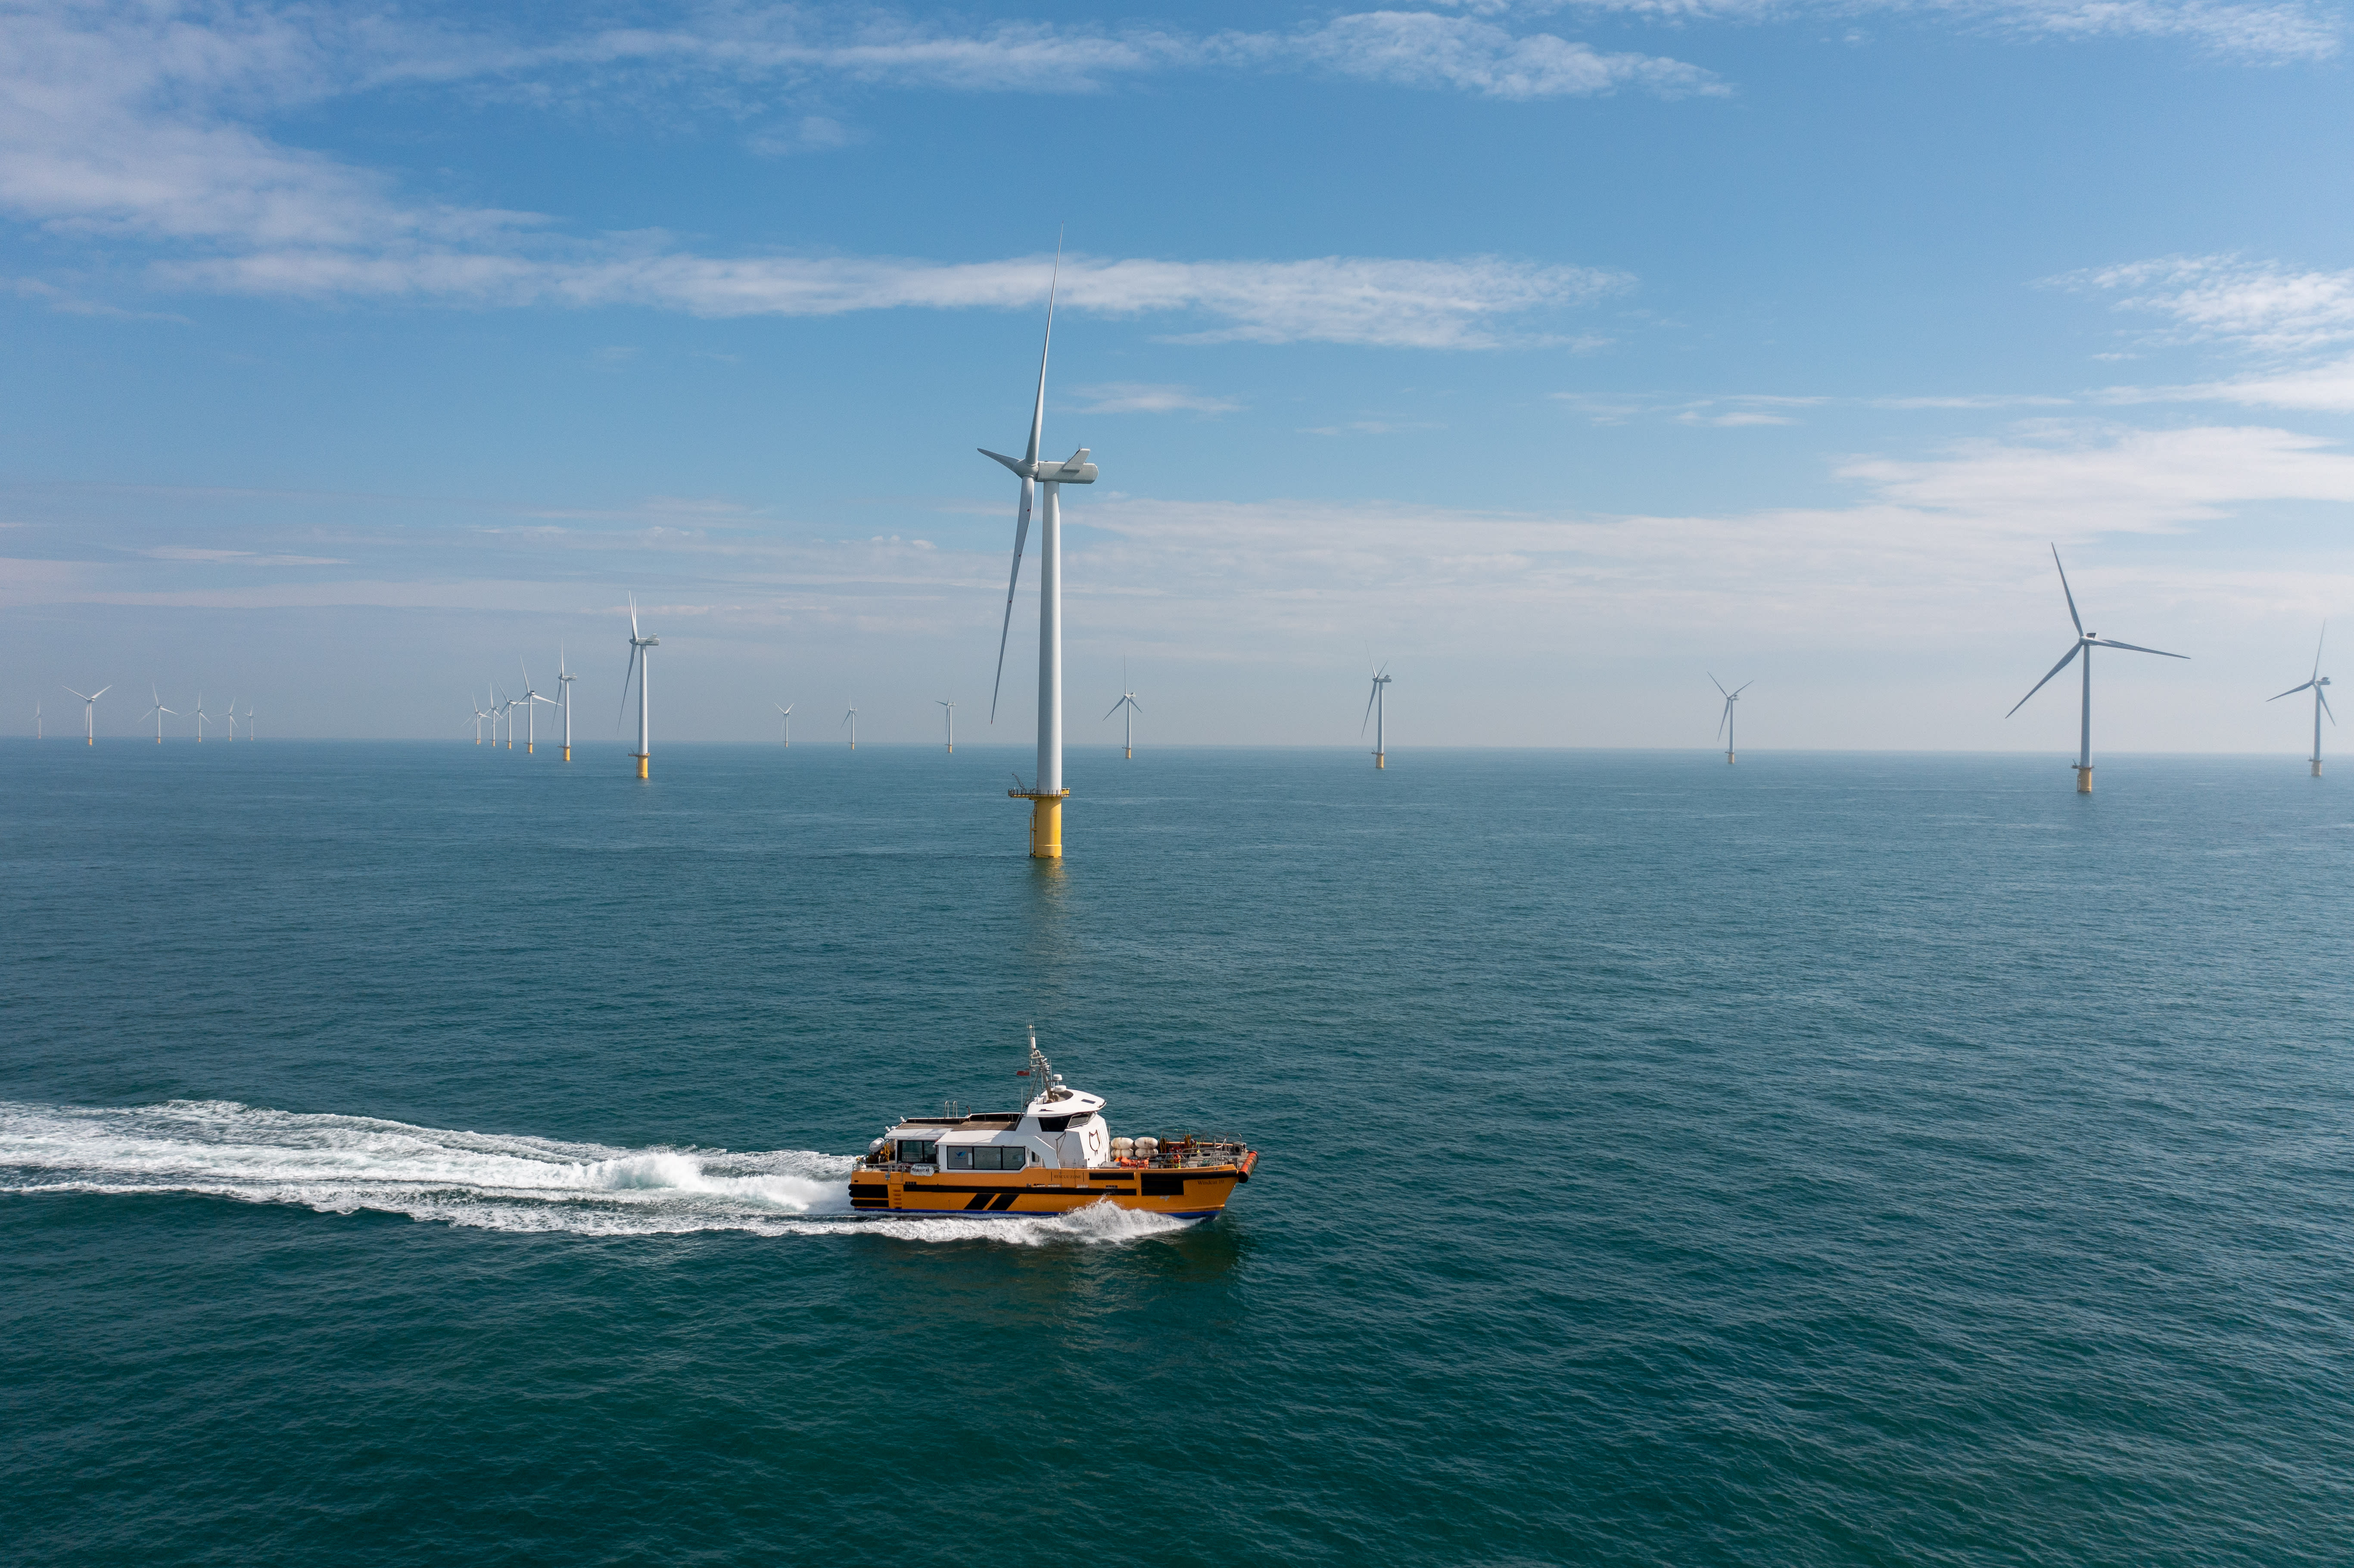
x=916, y=1152
x=960, y=1158
x=991, y=1157
x=1053, y=1123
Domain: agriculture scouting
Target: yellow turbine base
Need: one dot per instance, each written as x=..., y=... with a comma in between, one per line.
x=1047, y=828
x=1130, y=753
x=527, y=749
x=2084, y=780
x=642, y=760
x=1728, y=759
x=567, y=754
x=2317, y=768
x=1381, y=760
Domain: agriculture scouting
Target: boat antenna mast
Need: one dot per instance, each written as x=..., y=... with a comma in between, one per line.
x=1040, y=1071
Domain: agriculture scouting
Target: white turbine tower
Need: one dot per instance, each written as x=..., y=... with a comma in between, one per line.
x=851, y=718
x=1127, y=723
x=564, y=679
x=639, y=663
x=951, y=708
x=1046, y=794
x=157, y=712
x=89, y=712
x=1724, y=725
x=530, y=711
x=36, y=718
x=248, y=721
x=509, y=706
x=784, y=720
x=2315, y=683
x=2084, y=645
x=1377, y=712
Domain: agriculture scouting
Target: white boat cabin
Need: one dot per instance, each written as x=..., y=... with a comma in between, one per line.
x=1062, y=1128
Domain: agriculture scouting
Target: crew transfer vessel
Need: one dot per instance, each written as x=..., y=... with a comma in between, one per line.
x=1054, y=1155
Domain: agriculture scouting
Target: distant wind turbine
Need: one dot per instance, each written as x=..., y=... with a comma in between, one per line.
x=480, y=714
x=784, y=719
x=157, y=712
x=639, y=663
x=36, y=718
x=1724, y=725
x=1046, y=794
x=1128, y=722
x=851, y=718
x=508, y=704
x=203, y=717
x=531, y=699
x=89, y=712
x=2320, y=702
x=1377, y=712
x=951, y=716
x=230, y=719
x=248, y=721
x=564, y=679
x=2084, y=645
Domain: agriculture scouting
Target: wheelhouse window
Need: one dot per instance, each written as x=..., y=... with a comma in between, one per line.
x=915, y=1151
x=988, y=1156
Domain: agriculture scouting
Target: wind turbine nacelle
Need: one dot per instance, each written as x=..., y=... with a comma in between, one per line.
x=1073, y=470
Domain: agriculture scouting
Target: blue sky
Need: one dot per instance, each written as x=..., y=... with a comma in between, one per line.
x=1554, y=353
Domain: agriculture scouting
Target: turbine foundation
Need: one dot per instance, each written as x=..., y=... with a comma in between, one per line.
x=1728, y=759
x=1046, y=822
x=1380, y=760
x=1129, y=752
x=2083, y=778
x=642, y=760
x=567, y=754
x=2317, y=768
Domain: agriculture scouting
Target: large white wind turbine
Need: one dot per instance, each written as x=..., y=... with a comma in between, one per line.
x=2313, y=683
x=530, y=710
x=1127, y=723
x=1377, y=711
x=1046, y=794
x=851, y=718
x=203, y=718
x=784, y=720
x=89, y=712
x=640, y=661
x=951, y=708
x=159, y=710
x=2084, y=645
x=1724, y=725
x=564, y=679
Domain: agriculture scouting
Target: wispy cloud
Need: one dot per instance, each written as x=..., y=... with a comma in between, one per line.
x=2295, y=322
x=1149, y=397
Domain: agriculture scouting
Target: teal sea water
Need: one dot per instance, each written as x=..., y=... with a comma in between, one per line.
x=410, y=1154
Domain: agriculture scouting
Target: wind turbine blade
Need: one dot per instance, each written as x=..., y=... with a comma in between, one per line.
x=1038, y=409
x=1113, y=709
x=526, y=673
x=1369, y=705
x=1717, y=684
x=79, y=695
x=2317, y=648
x=633, y=617
x=2324, y=704
x=1725, y=717
x=102, y=690
x=1021, y=534
x=2292, y=692
x=1743, y=687
x=2136, y=648
x=627, y=675
x=2072, y=600
x=1136, y=705
x=2073, y=648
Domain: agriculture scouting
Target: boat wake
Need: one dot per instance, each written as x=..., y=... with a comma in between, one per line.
x=340, y=1164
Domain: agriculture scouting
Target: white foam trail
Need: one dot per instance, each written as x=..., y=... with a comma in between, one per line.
x=337, y=1165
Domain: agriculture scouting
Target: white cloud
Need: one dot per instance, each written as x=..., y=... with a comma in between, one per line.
x=2258, y=305
x=1147, y=397
x=1417, y=49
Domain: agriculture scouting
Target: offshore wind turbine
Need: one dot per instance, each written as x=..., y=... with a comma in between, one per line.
x=231, y=719
x=1724, y=725
x=531, y=698
x=639, y=663
x=248, y=721
x=784, y=719
x=564, y=679
x=1127, y=723
x=480, y=714
x=851, y=718
x=156, y=712
x=951, y=714
x=509, y=704
x=2313, y=683
x=2084, y=645
x=36, y=718
x=1377, y=712
x=1046, y=794
x=201, y=717
x=89, y=712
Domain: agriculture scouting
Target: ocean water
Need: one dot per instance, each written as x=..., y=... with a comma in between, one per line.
x=413, y=1154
